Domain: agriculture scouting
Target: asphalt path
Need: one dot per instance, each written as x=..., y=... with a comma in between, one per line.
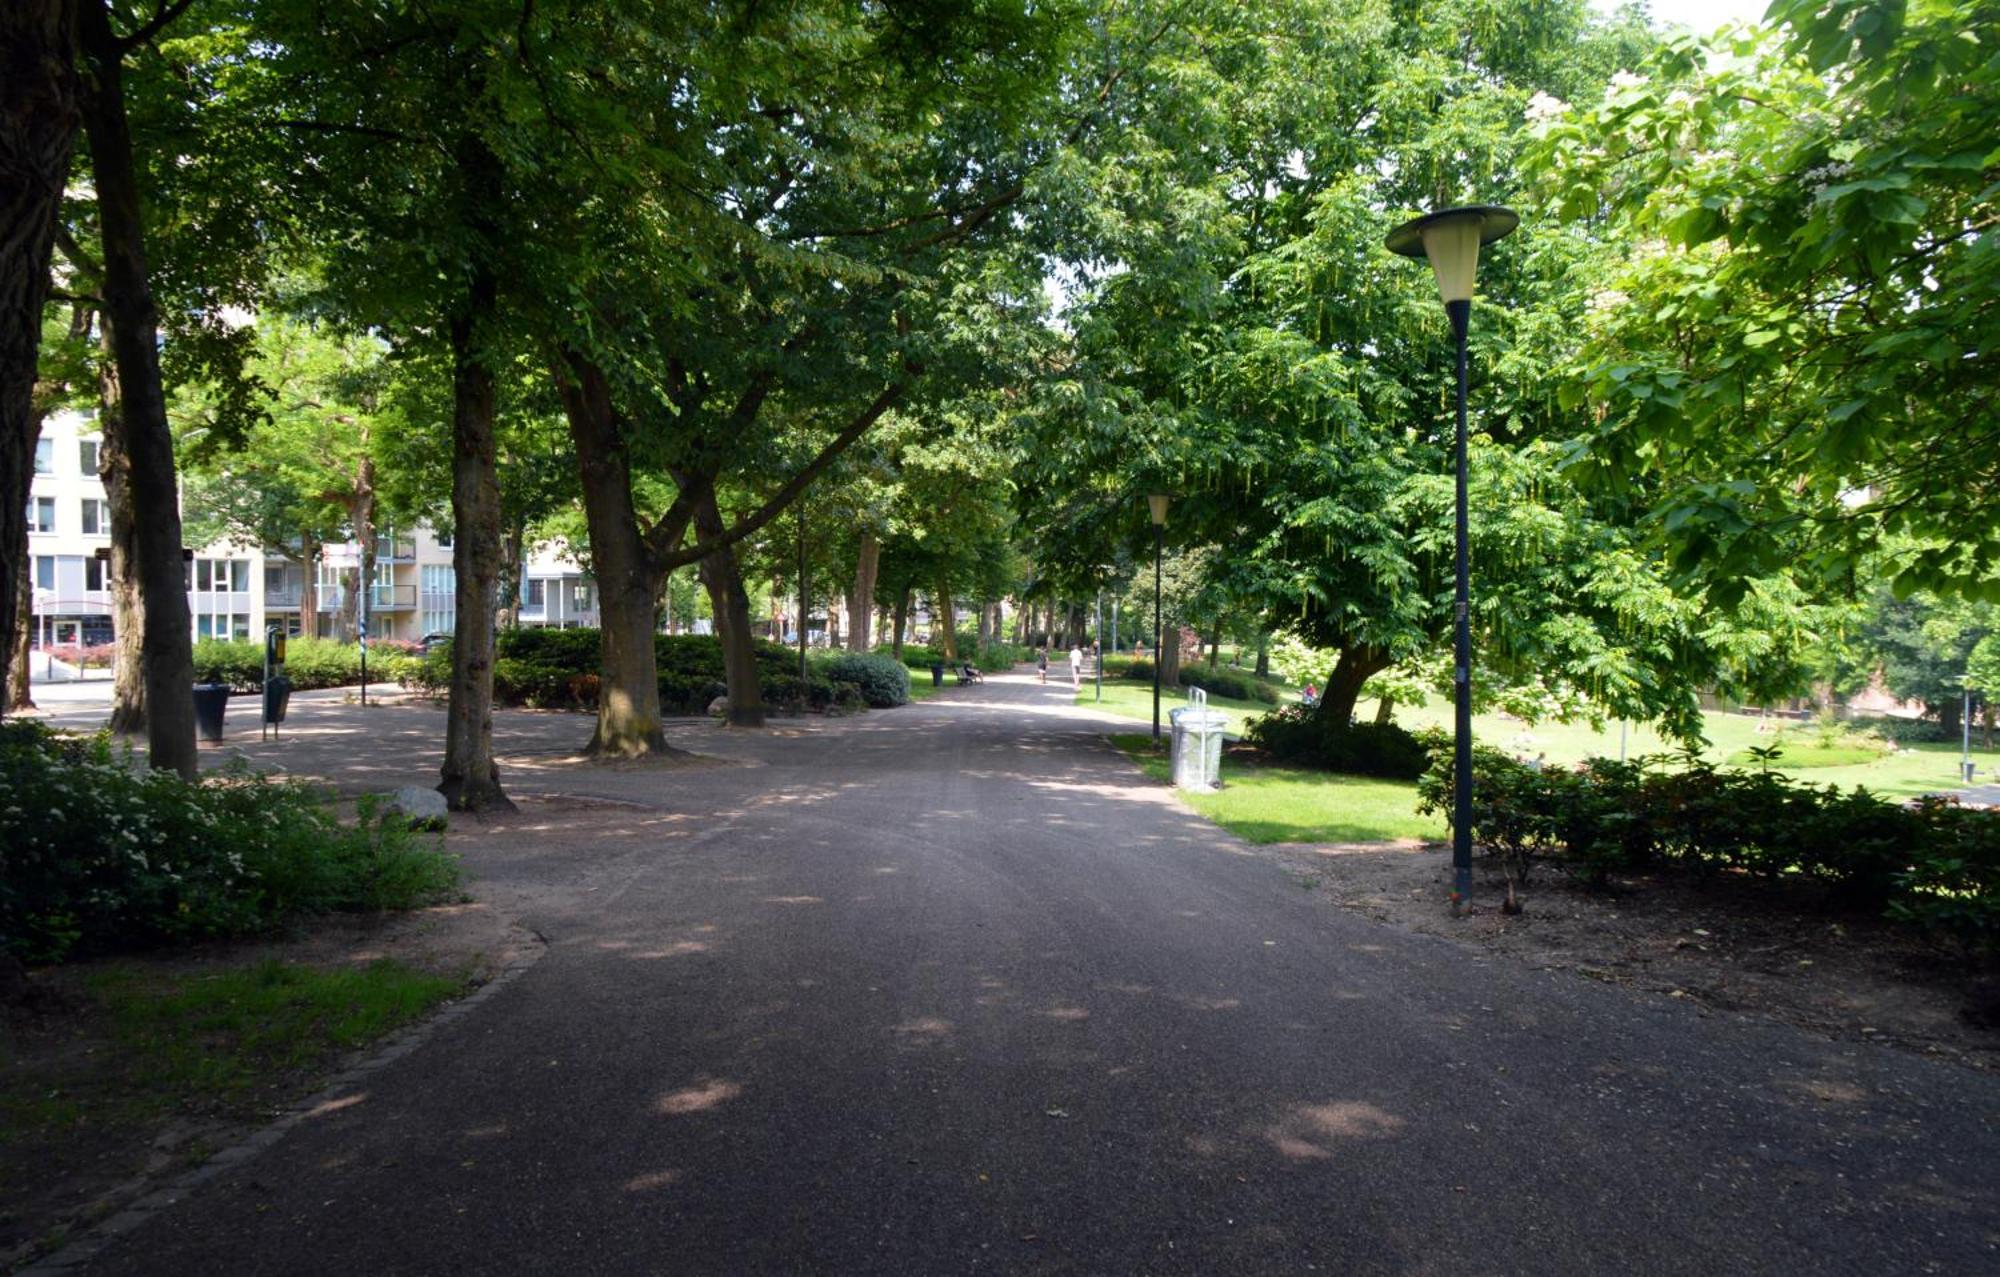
x=953, y=989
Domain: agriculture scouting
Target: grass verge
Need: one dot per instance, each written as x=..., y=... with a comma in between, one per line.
x=143, y=1060
x=1286, y=804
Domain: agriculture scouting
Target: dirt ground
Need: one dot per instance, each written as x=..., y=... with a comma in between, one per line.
x=1735, y=947
x=59, y=1176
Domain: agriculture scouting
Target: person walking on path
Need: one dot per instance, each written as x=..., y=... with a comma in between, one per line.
x=1075, y=667
x=1042, y=663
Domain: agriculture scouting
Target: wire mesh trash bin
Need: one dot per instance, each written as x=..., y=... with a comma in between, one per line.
x=210, y=700
x=1196, y=751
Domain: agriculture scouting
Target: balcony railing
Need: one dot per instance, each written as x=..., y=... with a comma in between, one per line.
x=284, y=595
x=382, y=598
x=395, y=549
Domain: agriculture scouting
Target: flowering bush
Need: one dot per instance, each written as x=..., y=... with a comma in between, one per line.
x=97, y=855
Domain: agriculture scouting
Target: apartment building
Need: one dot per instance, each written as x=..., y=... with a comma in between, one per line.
x=237, y=589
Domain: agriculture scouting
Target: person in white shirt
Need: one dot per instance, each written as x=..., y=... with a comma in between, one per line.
x=1076, y=667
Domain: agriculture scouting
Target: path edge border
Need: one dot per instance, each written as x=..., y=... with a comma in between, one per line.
x=154, y=1198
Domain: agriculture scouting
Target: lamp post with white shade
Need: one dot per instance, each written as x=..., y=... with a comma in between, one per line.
x=1451, y=239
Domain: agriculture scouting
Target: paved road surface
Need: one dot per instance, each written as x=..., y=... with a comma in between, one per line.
x=951, y=990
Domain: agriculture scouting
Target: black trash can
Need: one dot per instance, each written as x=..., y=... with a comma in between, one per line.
x=937, y=673
x=210, y=699
x=277, y=695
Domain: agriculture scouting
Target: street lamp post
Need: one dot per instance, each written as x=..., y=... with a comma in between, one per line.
x=1451, y=239
x=1156, y=505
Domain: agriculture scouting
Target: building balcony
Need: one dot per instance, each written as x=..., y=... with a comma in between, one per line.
x=395, y=549
x=286, y=596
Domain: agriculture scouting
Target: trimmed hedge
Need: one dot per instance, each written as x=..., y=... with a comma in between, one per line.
x=1307, y=738
x=1932, y=863
x=309, y=662
x=558, y=669
x=1239, y=687
x=97, y=855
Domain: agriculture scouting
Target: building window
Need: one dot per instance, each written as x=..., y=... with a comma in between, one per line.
x=45, y=452
x=95, y=522
x=93, y=573
x=45, y=571
x=42, y=514
x=439, y=621
x=86, y=458
x=537, y=592
x=583, y=596
x=222, y=574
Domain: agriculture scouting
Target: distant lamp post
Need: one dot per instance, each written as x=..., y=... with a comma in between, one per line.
x=1156, y=504
x=1451, y=239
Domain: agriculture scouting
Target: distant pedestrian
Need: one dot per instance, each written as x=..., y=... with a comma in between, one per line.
x=1042, y=663
x=1076, y=667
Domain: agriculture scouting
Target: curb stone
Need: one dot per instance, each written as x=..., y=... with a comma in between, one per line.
x=89, y=1244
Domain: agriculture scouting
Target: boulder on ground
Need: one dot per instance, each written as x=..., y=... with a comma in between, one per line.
x=719, y=707
x=422, y=808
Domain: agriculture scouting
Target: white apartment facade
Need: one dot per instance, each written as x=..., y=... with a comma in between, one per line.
x=236, y=589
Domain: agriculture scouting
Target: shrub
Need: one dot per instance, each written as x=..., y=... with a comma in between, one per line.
x=1902, y=731
x=97, y=855
x=1240, y=687
x=1934, y=864
x=1306, y=738
x=1139, y=671
x=881, y=681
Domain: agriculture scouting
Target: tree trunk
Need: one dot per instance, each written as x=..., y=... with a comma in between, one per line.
x=1214, y=648
x=361, y=514
x=513, y=566
x=20, y=674
x=38, y=123
x=861, y=599
x=628, y=582
x=128, y=615
x=1169, y=656
x=731, y=604
x=944, y=622
x=1950, y=715
x=982, y=638
x=901, y=618
x=309, y=552
x=470, y=778
x=133, y=324
x=1354, y=667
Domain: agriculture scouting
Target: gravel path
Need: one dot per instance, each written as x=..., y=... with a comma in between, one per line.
x=952, y=989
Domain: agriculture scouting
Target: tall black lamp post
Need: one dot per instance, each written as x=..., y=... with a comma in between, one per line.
x=1156, y=504
x=1451, y=239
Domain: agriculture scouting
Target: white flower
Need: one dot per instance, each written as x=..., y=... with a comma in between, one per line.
x=1544, y=107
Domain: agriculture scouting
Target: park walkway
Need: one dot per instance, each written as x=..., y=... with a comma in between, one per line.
x=951, y=989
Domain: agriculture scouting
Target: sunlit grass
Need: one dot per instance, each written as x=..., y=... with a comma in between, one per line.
x=1911, y=770
x=1286, y=804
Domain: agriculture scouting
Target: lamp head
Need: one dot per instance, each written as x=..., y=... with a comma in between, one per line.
x=1451, y=239
x=1157, y=504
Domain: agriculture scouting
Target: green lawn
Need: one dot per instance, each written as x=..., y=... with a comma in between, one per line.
x=1911, y=770
x=1285, y=804
x=1128, y=699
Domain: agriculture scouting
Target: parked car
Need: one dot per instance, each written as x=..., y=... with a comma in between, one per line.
x=435, y=640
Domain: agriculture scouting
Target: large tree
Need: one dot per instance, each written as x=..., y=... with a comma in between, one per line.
x=39, y=116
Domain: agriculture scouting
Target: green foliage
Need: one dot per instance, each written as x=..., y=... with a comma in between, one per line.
x=1139, y=671
x=1934, y=863
x=1791, y=341
x=1309, y=738
x=880, y=681
x=96, y=855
